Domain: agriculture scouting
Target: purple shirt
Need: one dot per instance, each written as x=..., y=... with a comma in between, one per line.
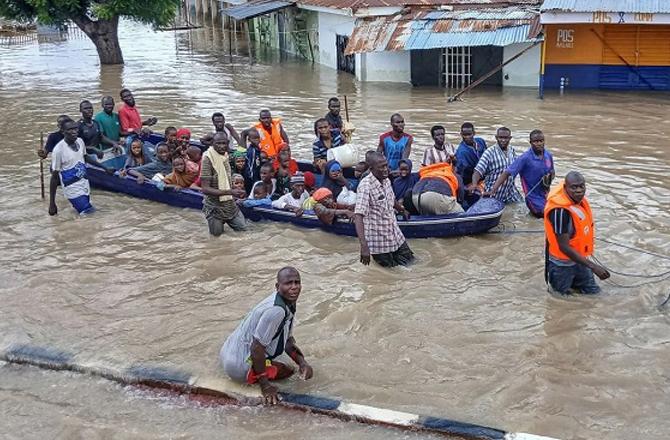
x=531, y=169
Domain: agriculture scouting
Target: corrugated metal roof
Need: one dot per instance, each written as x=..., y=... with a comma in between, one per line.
x=437, y=29
x=255, y=8
x=361, y=4
x=642, y=6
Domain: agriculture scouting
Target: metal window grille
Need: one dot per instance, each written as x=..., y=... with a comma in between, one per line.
x=456, y=67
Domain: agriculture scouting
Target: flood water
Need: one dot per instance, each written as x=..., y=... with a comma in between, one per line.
x=468, y=332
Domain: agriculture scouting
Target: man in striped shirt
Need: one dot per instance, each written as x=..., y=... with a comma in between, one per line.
x=491, y=165
x=440, y=152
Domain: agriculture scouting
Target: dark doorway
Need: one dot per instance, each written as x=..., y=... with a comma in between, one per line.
x=345, y=63
x=485, y=59
x=426, y=67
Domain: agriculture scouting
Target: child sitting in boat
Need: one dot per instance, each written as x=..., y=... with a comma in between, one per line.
x=310, y=182
x=259, y=197
x=360, y=169
x=283, y=179
x=284, y=160
x=238, y=183
x=138, y=154
x=161, y=165
x=293, y=201
x=193, y=163
x=179, y=177
x=327, y=209
x=267, y=180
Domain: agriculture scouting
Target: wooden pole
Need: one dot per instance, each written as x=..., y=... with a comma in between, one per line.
x=491, y=73
x=346, y=108
x=311, y=49
x=42, y=164
x=246, y=23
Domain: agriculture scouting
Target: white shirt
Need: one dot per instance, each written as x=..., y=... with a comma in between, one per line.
x=288, y=200
x=64, y=158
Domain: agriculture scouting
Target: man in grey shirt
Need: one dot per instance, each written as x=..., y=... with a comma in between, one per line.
x=265, y=333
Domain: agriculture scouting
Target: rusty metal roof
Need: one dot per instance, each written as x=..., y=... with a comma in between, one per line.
x=438, y=28
x=641, y=6
x=361, y=4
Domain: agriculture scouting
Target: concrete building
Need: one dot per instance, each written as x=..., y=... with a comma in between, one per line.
x=617, y=44
x=424, y=42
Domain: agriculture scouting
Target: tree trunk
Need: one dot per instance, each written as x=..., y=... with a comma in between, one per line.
x=105, y=35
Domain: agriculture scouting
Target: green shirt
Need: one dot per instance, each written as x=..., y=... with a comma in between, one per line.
x=110, y=125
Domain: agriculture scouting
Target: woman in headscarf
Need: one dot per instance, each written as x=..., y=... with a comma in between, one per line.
x=183, y=140
x=405, y=180
x=334, y=180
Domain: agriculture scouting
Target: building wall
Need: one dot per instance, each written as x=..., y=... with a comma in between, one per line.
x=384, y=66
x=592, y=56
x=329, y=26
x=524, y=71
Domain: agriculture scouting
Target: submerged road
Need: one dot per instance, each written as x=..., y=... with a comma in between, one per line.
x=468, y=332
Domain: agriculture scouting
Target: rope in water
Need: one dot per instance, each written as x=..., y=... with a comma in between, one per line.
x=653, y=278
x=632, y=275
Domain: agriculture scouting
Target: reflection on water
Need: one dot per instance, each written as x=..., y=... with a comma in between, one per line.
x=468, y=332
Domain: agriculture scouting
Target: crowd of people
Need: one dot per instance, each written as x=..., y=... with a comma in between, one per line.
x=255, y=168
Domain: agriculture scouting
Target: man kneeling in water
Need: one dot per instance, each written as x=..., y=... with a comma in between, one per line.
x=265, y=333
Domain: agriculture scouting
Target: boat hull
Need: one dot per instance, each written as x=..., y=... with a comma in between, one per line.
x=477, y=220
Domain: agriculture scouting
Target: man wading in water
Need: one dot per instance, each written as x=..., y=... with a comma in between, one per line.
x=216, y=183
x=376, y=224
x=569, y=231
x=265, y=333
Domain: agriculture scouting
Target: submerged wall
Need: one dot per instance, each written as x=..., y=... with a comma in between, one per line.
x=524, y=71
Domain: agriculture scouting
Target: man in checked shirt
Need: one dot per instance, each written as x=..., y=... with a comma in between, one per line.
x=376, y=224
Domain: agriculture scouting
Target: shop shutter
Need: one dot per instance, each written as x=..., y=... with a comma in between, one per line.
x=647, y=51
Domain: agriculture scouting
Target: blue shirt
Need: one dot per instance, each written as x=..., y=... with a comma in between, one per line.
x=319, y=149
x=531, y=169
x=467, y=158
x=394, y=148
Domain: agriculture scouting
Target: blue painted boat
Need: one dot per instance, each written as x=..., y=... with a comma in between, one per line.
x=481, y=217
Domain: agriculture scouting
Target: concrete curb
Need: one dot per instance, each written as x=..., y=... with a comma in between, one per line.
x=220, y=387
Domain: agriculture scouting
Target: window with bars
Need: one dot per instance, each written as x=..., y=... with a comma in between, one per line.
x=456, y=67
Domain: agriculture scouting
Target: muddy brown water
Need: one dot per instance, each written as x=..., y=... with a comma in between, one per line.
x=469, y=332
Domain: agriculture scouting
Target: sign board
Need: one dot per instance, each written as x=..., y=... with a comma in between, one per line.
x=602, y=17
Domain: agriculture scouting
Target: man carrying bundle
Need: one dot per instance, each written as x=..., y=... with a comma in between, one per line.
x=570, y=234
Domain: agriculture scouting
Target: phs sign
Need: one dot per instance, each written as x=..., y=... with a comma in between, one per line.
x=602, y=17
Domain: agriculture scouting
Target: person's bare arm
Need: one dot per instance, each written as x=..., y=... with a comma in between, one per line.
x=295, y=353
x=564, y=246
x=270, y=392
x=408, y=149
x=235, y=135
x=360, y=231
x=476, y=177
x=283, y=134
x=501, y=179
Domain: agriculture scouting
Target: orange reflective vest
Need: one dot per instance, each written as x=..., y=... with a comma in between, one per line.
x=441, y=170
x=270, y=141
x=582, y=220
